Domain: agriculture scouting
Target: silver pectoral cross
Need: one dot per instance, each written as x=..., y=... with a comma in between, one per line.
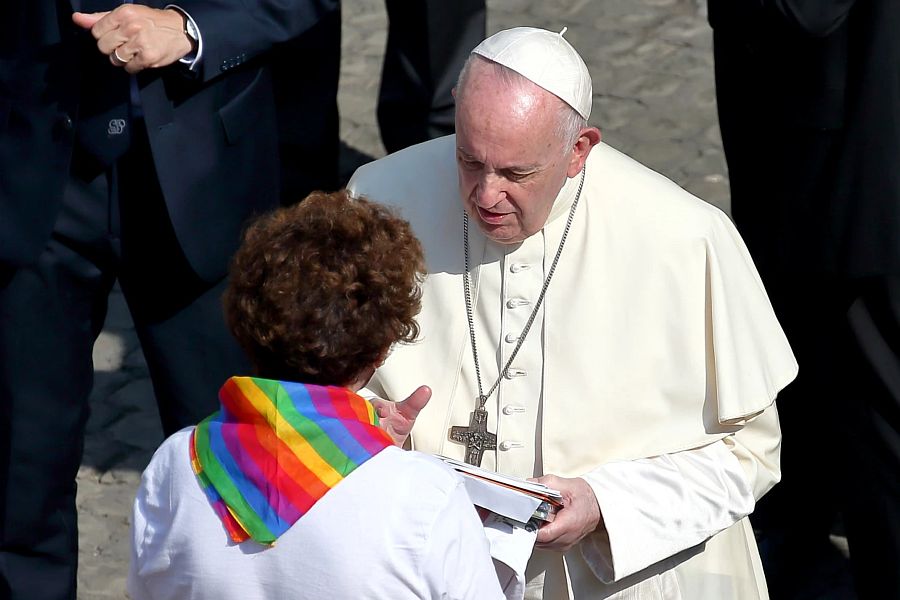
x=476, y=437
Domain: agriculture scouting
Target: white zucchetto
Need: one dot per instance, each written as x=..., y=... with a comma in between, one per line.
x=544, y=58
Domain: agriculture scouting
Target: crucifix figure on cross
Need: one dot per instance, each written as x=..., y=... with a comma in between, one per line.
x=476, y=437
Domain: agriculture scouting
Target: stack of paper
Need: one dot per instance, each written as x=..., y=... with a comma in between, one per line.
x=516, y=508
x=510, y=497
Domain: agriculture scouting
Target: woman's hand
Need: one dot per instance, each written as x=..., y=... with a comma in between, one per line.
x=398, y=418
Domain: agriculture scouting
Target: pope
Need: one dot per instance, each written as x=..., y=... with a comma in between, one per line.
x=586, y=322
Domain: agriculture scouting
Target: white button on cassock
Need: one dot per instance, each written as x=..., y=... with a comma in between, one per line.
x=511, y=337
x=511, y=409
x=510, y=444
x=513, y=372
x=516, y=302
x=517, y=267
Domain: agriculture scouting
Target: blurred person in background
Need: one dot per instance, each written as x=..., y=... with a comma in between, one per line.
x=427, y=43
x=809, y=108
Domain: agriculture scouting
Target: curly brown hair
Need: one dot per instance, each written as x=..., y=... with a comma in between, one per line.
x=321, y=290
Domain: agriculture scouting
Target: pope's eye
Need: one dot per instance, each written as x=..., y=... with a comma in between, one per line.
x=516, y=176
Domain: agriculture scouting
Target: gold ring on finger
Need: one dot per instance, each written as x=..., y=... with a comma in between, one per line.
x=119, y=58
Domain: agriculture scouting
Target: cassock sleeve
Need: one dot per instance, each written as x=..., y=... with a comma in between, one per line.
x=656, y=507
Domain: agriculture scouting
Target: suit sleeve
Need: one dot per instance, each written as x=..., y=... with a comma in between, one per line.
x=236, y=31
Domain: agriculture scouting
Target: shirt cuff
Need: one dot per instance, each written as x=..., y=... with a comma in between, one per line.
x=192, y=59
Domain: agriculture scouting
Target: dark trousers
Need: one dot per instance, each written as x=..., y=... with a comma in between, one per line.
x=841, y=417
x=841, y=426
x=428, y=43
x=307, y=109
x=113, y=225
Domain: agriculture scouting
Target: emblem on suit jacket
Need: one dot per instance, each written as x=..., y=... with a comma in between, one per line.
x=116, y=127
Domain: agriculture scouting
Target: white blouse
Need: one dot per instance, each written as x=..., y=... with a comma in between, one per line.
x=400, y=526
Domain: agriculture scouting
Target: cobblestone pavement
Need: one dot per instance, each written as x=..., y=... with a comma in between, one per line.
x=653, y=99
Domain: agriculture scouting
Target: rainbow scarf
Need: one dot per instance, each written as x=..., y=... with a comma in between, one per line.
x=276, y=447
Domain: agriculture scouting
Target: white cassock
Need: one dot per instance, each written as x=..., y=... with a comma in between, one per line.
x=650, y=371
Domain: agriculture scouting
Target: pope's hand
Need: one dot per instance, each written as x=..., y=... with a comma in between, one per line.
x=398, y=418
x=137, y=37
x=579, y=516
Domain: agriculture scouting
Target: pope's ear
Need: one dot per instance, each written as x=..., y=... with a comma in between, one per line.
x=453, y=92
x=587, y=139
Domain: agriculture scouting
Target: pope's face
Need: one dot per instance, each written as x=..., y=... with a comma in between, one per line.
x=509, y=155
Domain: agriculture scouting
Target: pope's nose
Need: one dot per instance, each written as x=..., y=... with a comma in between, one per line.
x=489, y=192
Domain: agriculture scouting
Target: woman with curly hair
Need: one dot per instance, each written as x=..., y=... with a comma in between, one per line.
x=292, y=490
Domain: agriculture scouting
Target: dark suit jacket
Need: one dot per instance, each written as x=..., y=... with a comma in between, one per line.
x=213, y=134
x=809, y=107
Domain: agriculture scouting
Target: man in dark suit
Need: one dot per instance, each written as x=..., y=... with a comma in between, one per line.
x=809, y=108
x=133, y=145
